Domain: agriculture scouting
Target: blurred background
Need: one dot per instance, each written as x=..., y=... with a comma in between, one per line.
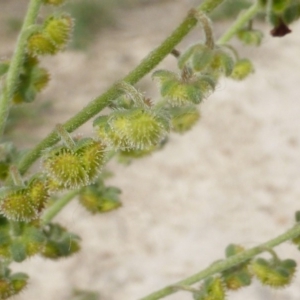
x=234, y=178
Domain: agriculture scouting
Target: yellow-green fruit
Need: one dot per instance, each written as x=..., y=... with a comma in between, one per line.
x=242, y=69
x=143, y=128
x=107, y=135
x=39, y=44
x=212, y=289
x=16, y=204
x=38, y=193
x=64, y=166
x=58, y=30
x=91, y=154
x=275, y=275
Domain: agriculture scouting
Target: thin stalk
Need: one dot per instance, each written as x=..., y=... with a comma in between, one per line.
x=225, y=264
x=57, y=206
x=239, y=23
x=98, y=104
x=16, y=63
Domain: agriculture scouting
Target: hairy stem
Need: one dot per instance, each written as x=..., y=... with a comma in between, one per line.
x=57, y=206
x=225, y=264
x=146, y=65
x=240, y=22
x=16, y=63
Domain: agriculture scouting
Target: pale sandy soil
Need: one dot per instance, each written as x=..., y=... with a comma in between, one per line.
x=233, y=179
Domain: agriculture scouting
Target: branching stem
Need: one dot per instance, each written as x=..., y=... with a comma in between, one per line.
x=225, y=264
x=146, y=65
x=16, y=63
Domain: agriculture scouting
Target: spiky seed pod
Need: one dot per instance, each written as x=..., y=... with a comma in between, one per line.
x=212, y=289
x=39, y=44
x=276, y=274
x=100, y=199
x=142, y=129
x=38, y=192
x=58, y=30
x=59, y=242
x=12, y=284
x=54, y=2
x=111, y=138
x=242, y=69
x=183, y=118
x=63, y=165
x=16, y=204
x=92, y=156
x=250, y=37
x=197, y=57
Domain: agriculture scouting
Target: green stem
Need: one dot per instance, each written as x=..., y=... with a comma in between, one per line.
x=239, y=23
x=58, y=205
x=16, y=63
x=146, y=65
x=223, y=265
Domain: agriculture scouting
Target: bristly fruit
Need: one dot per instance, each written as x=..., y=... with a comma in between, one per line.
x=39, y=44
x=58, y=29
x=76, y=167
x=274, y=273
x=212, y=289
x=186, y=89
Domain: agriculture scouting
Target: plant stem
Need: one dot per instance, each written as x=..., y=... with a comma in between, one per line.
x=12, y=77
x=239, y=23
x=57, y=206
x=225, y=264
x=146, y=65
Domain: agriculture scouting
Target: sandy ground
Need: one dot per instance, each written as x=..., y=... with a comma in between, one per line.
x=233, y=179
